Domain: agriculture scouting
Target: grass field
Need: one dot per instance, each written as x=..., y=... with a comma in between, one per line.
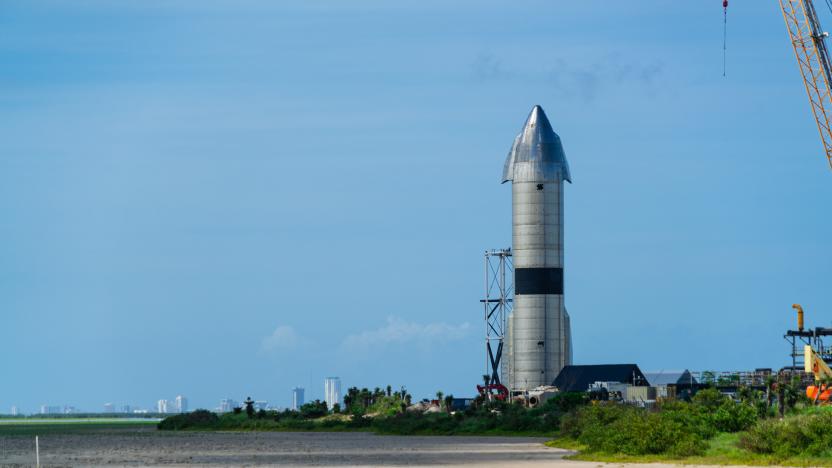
x=723, y=450
x=32, y=427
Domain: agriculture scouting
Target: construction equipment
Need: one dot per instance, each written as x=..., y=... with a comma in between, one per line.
x=813, y=363
x=809, y=43
x=493, y=392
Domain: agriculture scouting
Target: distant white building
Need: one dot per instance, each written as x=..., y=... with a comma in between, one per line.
x=181, y=404
x=14, y=411
x=70, y=410
x=109, y=408
x=126, y=409
x=44, y=409
x=297, y=398
x=162, y=406
x=227, y=405
x=332, y=391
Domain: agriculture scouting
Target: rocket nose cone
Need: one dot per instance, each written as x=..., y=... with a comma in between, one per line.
x=538, y=126
x=537, y=153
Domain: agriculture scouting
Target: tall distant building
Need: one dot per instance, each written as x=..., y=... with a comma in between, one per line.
x=181, y=404
x=162, y=406
x=14, y=411
x=126, y=409
x=297, y=398
x=109, y=408
x=332, y=391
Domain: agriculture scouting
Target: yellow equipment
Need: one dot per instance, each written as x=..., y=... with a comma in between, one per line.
x=808, y=41
x=814, y=364
x=799, y=310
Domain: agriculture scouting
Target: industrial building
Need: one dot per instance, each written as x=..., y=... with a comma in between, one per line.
x=582, y=378
x=672, y=384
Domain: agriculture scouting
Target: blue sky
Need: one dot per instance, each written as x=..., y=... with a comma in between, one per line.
x=223, y=199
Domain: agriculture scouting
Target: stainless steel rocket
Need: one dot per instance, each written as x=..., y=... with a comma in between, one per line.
x=539, y=342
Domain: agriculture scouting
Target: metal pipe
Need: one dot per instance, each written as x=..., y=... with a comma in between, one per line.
x=799, y=310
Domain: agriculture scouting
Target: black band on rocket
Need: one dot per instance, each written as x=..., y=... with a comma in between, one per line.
x=538, y=281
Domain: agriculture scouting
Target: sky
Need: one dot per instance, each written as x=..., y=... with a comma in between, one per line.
x=227, y=199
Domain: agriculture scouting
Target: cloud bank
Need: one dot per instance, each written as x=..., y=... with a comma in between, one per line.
x=398, y=331
x=283, y=337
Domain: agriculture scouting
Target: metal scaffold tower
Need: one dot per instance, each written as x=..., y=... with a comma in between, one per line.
x=809, y=42
x=499, y=291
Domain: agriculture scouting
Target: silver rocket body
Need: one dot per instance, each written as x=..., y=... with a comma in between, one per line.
x=539, y=340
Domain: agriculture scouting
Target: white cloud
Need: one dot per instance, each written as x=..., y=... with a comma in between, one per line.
x=284, y=337
x=398, y=331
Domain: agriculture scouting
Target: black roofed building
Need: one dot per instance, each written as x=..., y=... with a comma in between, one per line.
x=580, y=378
x=678, y=378
x=673, y=384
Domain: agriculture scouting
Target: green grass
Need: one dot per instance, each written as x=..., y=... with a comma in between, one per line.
x=58, y=426
x=722, y=450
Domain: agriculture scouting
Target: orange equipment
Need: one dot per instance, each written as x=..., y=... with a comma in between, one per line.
x=814, y=364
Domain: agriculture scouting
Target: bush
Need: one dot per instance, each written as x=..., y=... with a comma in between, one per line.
x=709, y=398
x=197, y=419
x=734, y=417
x=613, y=428
x=806, y=434
x=313, y=410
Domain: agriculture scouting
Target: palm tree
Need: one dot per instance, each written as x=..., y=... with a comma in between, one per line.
x=769, y=386
x=439, y=395
x=389, y=390
x=449, y=403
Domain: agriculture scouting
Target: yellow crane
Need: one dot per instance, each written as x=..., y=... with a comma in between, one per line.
x=809, y=43
x=815, y=365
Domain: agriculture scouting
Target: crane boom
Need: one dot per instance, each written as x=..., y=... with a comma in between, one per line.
x=808, y=41
x=815, y=365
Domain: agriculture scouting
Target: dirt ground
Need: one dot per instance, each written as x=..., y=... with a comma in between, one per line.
x=147, y=447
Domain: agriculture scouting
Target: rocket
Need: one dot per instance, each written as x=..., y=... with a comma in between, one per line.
x=539, y=342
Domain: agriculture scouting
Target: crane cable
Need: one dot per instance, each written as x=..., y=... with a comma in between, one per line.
x=725, y=32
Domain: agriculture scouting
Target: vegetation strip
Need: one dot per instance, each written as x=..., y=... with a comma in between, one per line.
x=710, y=429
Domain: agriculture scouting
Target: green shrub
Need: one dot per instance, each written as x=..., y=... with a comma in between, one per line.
x=709, y=398
x=734, y=417
x=197, y=419
x=313, y=409
x=799, y=435
x=613, y=428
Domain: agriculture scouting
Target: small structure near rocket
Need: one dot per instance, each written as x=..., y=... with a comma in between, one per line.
x=538, y=340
